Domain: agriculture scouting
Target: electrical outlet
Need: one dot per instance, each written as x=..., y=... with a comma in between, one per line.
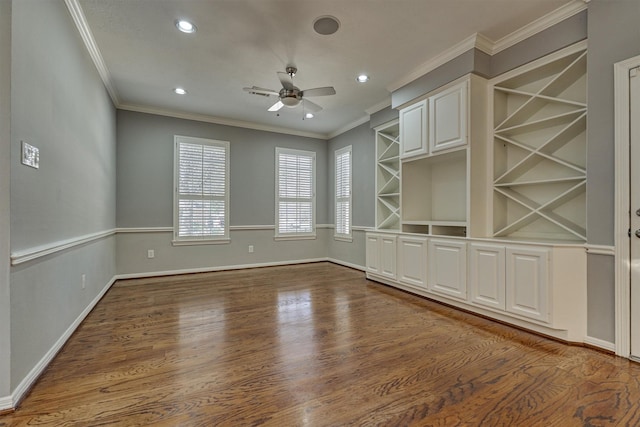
x=250, y=249
x=151, y=253
x=84, y=280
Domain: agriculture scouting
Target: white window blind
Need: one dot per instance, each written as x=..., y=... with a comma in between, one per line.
x=343, y=193
x=295, y=193
x=202, y=189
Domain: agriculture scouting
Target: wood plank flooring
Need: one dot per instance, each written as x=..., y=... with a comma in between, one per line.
x=315, y=345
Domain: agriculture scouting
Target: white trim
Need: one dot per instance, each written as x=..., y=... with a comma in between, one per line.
x=347, y=264
x=301, y=237
x=30, y=254
x=200, y=242
x=92, y=47
x=348, y=127
x=218, y=268
x=539, y=25
x=145, y=230
x=596, y=342
x=28, y=381
x=329, y=226
x=600, y=249
x=251, y=227
x=621, y=194
x=379, y=106
x=220, y=121
x=360, y=228
x=6, y=403
x=438, y=60
x=342, y=239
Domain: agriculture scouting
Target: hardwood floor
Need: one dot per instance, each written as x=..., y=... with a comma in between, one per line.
x=315, y=345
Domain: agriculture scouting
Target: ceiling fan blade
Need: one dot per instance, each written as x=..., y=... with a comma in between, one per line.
x=275, y=107
x=286, y=81
x=319, y=91
x=311, y=106
x=254, y=90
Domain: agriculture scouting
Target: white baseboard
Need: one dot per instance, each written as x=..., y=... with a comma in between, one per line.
x=24, y=386
x=6, y=403
x=213, y=269
x=605, y=345
x=346, y=264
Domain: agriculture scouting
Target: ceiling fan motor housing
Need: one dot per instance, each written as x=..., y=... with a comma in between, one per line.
x=290, y=97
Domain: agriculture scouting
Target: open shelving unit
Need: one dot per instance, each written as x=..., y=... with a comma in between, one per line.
x=539, y=149
x=434, y=194
x=388, y=176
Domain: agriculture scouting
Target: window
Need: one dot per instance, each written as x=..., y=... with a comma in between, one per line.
x=201, y=211
x=295, y=193
x=343, y=194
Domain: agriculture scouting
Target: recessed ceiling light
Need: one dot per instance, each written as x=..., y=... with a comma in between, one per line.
x=362, y=78
x=309, y=115
x=180, y=91
x=185, y=26
x=326, y=25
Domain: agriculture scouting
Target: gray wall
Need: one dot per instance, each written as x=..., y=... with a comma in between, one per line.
x=60, y=105
x=5, y=177
x=614, y=35
x=363, y=153
x=145, y=169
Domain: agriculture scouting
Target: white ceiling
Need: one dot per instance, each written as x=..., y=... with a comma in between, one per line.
x=243, y=43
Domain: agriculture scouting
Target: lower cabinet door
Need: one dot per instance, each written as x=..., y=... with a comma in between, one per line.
x=487, y=275
x=388, y=256
x=527, y=290
x=373, y=253
x=412, y=261
x=448, y=268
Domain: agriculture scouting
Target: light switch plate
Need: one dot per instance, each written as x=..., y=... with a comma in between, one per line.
x=30, y=155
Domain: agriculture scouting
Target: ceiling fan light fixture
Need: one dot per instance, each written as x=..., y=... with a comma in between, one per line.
x=326, y=25
x=290, y=101
x=185, y=26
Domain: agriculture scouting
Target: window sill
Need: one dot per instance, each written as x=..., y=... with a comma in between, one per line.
x=305, y=237
x=200, y=242
x=343, y=238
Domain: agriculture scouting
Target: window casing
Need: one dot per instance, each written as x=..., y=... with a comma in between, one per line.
x=295, y=194
x=343, y=205
x=201, y=191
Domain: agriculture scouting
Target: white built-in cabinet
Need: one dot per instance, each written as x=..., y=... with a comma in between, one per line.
x=441, y=158
x=448, y=268
x=412, y=260
x=487, y=283
x=481, y=189
x=381, y=255
x=538, y=286
x=414, y=129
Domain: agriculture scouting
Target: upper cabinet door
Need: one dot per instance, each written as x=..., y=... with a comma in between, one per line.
x=448, y=118
x=414, y=130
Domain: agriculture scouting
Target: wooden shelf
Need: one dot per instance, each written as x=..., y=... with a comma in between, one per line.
x=539, y=149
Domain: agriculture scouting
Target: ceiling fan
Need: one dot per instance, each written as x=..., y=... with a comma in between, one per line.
x=291, y=96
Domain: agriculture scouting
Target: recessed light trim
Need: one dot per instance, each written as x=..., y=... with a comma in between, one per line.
x=180, y=91
x=326, y=25
x=362, y=78
x=309, y=115
x=185, y=26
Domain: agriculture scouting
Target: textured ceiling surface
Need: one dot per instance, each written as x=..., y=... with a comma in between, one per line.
x=242, y=43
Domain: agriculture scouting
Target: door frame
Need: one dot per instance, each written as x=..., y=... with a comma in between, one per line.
x=622, y=206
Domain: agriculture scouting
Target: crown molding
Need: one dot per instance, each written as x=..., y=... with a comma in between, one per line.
x=220, y=121
x=87, y=37
x=438, y=60
x=349, y=126
x=490, y=47
x=379, y=106
x=539, y=25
